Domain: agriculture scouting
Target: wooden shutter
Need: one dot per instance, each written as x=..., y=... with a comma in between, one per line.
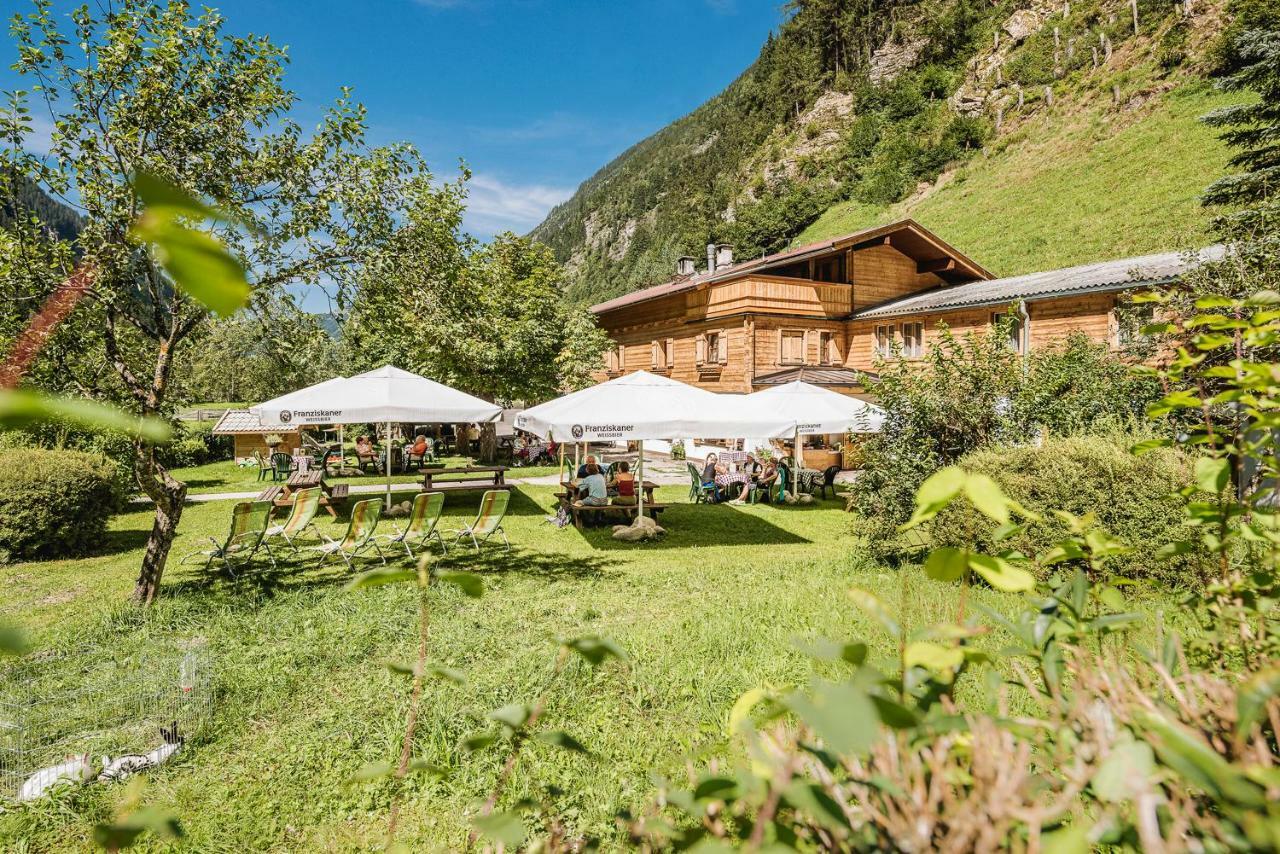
x=653, y=355
x=722, y=348
x=804, y=348
x=671, y=353
x=702, y=349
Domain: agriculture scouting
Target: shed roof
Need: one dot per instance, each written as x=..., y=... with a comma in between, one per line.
x=242, y=421
x=817, y=376
x=1121, y=274
x=907, y=234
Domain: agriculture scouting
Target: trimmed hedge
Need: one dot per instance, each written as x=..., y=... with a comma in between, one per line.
x=1131, y=496
x=55, y=503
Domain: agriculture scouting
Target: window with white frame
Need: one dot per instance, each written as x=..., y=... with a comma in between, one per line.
x=912, y=340
x=884, y=341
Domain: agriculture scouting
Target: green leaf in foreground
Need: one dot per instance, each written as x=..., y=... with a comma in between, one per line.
x=1001, y=574
x=514, y=715
x=871, y=606
x=504, y=827
x=840, y=713
x=501, y=827
x=372, y=771
x=125, y=832
x=196, y=261
x=467, y=582
x=12, y=641
x=1251, y=702
x=946, y=563
x=596, y=649
x=563, y=740
x=1212, y=475
x=381, y=576
x=1124, y=774
x=23, y=408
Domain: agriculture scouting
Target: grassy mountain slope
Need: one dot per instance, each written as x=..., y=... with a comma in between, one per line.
x=1069, y=188
x=1031, y=133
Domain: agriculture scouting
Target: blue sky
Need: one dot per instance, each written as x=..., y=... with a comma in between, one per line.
x=534, y=94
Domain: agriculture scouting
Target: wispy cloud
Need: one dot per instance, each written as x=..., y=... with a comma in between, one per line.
x=494, y=205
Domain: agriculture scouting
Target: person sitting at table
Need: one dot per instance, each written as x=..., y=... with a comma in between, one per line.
x=768, y=477
x=589, y=461
x=592, y=491
x=366, y=454
x=709, y=472
x=625, y=482
x=419, y=447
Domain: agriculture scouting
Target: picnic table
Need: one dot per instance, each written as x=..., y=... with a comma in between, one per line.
x=724, y=481
x=810, y=479
x=461, y=478
x=580, y=514
x=282, y=495
x=648, y=486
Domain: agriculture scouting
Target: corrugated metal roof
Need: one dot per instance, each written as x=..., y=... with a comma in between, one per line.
x=786, y=256
x=816, y=376
x=1121, y=274
x=235, y=421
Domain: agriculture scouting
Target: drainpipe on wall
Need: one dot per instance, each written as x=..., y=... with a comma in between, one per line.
x=1025, y=316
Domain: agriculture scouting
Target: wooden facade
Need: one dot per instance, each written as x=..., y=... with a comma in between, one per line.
x=732, y=329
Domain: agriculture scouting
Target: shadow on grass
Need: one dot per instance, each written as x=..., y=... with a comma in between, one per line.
x=700, y=526
x=494, y=560
x=116, y=542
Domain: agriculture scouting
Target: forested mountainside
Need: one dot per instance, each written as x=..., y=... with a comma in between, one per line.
x=1031, y=134
x=27, y=199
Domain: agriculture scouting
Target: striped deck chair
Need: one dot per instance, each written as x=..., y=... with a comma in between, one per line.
x=359, y=536
x=493, y=508
x=422, y=523
x=306, y=502
x=248, y=533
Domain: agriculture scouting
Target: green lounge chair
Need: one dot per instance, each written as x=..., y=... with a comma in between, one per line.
x=493, y=508
x=359, y=536
x=249, y=521
x=306, y=502
x=422, y=523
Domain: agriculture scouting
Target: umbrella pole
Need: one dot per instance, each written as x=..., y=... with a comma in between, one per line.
x=640, y=477
x=795, y=474
x=388, y=465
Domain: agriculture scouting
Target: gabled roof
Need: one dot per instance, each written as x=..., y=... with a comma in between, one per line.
x=241, y=421
x=817, y=376
x=1119, y=275
x=907, y=235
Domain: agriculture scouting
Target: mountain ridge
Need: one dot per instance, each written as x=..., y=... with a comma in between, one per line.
x=802, y=142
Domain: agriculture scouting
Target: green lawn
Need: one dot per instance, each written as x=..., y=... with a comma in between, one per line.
x=226, y=476
x=303, y=699
x=1079, y=183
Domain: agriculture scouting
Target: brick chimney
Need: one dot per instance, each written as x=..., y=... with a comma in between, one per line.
x=684, y=265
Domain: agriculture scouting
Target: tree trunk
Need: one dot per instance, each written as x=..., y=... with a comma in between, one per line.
x=168, y=495
x=488, y=443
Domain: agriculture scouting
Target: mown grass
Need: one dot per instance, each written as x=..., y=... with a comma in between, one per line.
x=1077, y=183
x=303, y=699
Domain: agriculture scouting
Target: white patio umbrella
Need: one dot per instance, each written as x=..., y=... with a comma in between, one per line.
x=641, y=406
x=817, y=410
x=385, y=395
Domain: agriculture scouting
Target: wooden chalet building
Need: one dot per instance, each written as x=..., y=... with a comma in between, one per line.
x=825, y=312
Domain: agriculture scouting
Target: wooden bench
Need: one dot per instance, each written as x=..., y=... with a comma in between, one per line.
x=464, y=485
x=626, y=511
x=271, y=493
x=329, y=496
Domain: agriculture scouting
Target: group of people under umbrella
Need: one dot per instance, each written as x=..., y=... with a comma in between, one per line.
x=631, y=408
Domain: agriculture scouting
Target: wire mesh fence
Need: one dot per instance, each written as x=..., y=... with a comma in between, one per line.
x=55, y=704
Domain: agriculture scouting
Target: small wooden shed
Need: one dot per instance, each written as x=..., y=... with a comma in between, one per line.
x=249, y=435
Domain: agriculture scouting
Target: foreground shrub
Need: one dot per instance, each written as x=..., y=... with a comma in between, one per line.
x=55, y=503
x=1133, y=497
